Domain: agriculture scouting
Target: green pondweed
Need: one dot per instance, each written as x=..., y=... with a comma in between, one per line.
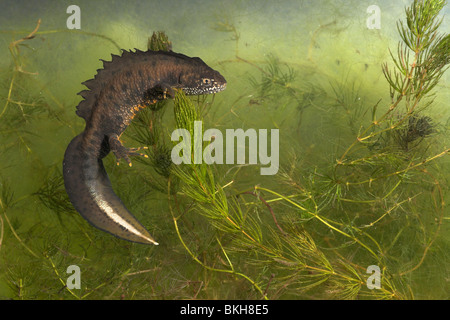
x=369, y=187
x=295, y=253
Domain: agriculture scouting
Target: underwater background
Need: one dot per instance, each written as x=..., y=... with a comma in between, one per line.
x=363, y=178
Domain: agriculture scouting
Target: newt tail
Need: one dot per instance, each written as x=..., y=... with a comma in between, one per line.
x=86, y=179
x=119, y=90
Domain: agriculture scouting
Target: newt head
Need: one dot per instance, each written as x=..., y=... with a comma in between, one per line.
x=198, y=78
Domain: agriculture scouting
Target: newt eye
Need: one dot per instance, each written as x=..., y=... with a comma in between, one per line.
x=206, y=81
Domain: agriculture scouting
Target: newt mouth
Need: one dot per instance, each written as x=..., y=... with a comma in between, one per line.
x=202, y=90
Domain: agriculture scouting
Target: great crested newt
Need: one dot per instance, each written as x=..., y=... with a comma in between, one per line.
x=115, y=95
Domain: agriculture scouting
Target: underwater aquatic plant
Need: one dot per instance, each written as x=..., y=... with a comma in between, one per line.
x=421, y=60
x=415, y=130
x=159, y=41
x=301, y=265
x=418, y=127
x=358, y=207
x=162, y=161
x=430, y=51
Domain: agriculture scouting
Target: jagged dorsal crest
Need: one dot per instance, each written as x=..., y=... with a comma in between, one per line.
x=118, y=63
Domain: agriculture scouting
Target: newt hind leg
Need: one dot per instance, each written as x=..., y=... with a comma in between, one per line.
x=121, y=152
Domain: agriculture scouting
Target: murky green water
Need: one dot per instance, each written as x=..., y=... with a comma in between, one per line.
x=312, y=70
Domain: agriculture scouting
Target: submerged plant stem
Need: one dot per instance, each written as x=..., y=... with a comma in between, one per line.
x=328, y=223
x=18, y=238
x=232, y=271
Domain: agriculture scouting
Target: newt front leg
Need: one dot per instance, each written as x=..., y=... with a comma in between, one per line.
x=161, y=91
x=122, y=152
